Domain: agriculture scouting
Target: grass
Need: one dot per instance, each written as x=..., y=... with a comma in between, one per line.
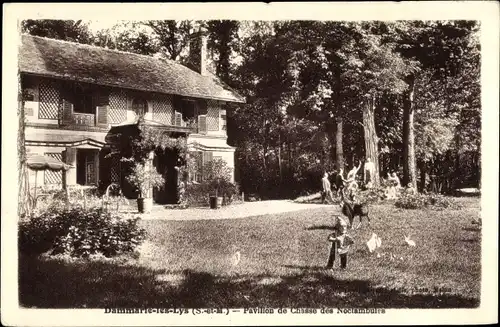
x=188, y=264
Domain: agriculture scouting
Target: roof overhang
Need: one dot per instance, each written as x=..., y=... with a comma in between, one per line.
x=87, y=143
x=202, y=147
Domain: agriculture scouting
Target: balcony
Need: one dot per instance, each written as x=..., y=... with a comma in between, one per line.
x=94, y=118
x=197, y=124
x=81, y=119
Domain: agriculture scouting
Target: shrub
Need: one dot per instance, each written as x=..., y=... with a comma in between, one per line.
x=198, y=194
x=230, y=191
x=372, y=195
x=79, y=232
x=145, y=178
x=216, y=182
x=419, y=201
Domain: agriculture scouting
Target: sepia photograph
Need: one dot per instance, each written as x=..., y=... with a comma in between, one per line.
x=205, y=167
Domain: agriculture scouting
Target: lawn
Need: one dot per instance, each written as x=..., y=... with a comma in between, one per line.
x=189, y=264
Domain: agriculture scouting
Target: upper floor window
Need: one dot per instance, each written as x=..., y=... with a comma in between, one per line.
x=224, y=122
x=28, y=88
x=140, y=107
x=81, y=96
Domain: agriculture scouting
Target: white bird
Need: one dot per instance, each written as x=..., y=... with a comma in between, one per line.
x=236, y=258
x=372, y=243
x=378, y=242
x=409, y=242
x=378, y=255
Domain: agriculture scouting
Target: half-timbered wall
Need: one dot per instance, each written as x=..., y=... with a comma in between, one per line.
x=117, y=111
x=163, y=109
x=212, y=116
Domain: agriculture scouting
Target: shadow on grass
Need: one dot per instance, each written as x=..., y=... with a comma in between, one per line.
x=317, y=227
x=58, y=284
x=470, y=240
x=472, y=229
x=305, y=268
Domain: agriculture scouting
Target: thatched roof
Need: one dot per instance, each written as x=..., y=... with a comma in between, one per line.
x=85, y=63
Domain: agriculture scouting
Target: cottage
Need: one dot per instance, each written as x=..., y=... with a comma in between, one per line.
x=74, y=94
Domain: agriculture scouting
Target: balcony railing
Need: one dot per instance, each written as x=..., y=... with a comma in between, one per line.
x=82, y=119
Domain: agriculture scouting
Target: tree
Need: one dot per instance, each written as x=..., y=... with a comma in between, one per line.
x=67, y=30
x=23, y=199
x=173, y=36
x=222, y=40
x=439, y=47
x=129, y=37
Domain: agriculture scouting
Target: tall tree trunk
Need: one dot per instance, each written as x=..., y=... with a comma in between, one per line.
x=279, y=160
x=423, y=174
x=23, y=205
x=371, y=138
x=409, y=169
x=339, y=151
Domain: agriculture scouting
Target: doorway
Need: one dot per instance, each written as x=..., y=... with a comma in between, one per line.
x=165, y=163
x=86, y=167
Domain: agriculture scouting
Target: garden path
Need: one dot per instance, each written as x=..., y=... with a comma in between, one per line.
x=239, y=210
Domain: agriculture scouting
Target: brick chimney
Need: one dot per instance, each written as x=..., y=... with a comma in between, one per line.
x=198, y=51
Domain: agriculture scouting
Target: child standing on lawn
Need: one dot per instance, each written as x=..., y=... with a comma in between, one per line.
x=341, y=243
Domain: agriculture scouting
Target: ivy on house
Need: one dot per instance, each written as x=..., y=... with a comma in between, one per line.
x=134, y=143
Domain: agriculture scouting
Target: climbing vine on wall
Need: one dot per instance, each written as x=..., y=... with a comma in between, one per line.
x=134, y=143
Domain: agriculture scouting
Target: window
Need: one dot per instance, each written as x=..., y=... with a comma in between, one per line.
x=28, y=88
x=83, y=103
x=195, y=175
x=224, y=122
x=140, y=107
x=185, y=112
x=200, y=160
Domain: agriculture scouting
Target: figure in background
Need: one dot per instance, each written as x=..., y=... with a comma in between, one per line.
x=410, y=189
x=369, y=171
x=351, y=175
x=396, y=180
x=352, y=185
x=390, y=192
x=326, y=189
x=181, y=190
x=339, y=182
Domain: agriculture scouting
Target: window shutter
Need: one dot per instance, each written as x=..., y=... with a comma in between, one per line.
x=202, y=124
x=102, y=115
x=67, y=111
x=101, y=101
x=66, y=104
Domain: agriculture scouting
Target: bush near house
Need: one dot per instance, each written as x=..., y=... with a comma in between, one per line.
x=79, y=232
x=199, y=194
x=216, y=182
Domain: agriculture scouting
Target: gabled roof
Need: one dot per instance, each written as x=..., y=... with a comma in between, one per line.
x=91, y=64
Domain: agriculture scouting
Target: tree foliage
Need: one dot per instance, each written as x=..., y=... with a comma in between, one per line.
x=67, y=30
x=405, y=93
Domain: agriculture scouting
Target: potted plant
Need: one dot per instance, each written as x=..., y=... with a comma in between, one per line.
x=145, y=177
x=216, y=175
x=215, y=198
